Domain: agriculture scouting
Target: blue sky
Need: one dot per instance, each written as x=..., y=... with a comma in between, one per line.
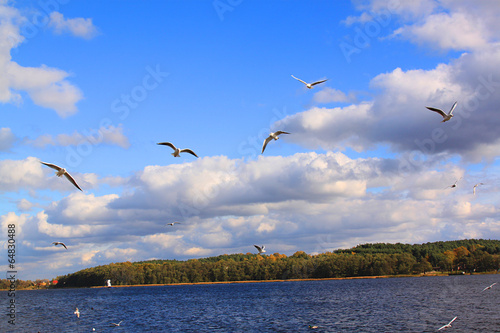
x=93, y=86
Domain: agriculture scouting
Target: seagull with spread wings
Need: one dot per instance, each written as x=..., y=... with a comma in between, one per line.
x=447, y=325
x=489, y=287
x=60, y=243
x=310, y=85
x=172, y=223
x=271, y=137
x=177, y=151
x=474, y=188
x=261, y=249
x=62, y=172
x=446, y=116
x=454, y=184
x=116, y=324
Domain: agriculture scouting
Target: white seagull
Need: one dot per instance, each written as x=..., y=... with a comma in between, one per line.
x=77, y=313
x=172, y=223
x=474, y=189
x=446, y=116
x=489, y=287
x=115, y=324
x=60, y=172
x=261, y=249
x=60, y=243
x=454, y=184
x=310, y=85
x=177, y=151
x=447, y=325
x=270, y=137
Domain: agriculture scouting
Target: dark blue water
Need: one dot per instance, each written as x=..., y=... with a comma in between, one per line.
x=362, y=305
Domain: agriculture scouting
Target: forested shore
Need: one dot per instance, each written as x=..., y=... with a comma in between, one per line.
x=380, y=259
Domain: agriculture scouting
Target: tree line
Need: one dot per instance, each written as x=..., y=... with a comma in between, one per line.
x=474, y=255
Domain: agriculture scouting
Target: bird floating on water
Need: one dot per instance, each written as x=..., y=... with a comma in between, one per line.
x=447, y=325
x=261, y=249
x=310, y=85
x=62, y=172
x=60, y=243
x=489, y=287
x=116, y=324
x=270, y=137
x=177, y=151
x=454, y=184
x=172, y=223
x=77, y=313
x=446, y=116
x=474, y=189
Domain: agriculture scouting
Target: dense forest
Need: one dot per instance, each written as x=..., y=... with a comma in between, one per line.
x=474, y=255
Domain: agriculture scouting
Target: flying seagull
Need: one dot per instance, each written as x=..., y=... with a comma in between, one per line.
x=60, y=172
x=172, y=223
x=489, y=287
x=474, y=189
x=310, y=85
x=177, y=151
x=77, y=313
x=270, y=137
x=115, y=324
x=261, y=249
x=447, y=325
x=60, y=243
x=446, y=116
x=454, y=184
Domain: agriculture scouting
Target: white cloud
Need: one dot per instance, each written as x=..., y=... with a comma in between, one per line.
x=79, y=27
x=331, y=95
x=47, y=87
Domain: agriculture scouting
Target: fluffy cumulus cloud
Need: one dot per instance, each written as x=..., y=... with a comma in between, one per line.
x=397, y=115
x=7, y=139
x=47, y=87
x=307, y=201
x=79, y=27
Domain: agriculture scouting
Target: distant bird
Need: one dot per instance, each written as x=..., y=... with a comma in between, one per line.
x=447, y=325
x=270, y=137
x=310, y=85
x=489, y=287
x=474, y=189
x=60, y=172
x=313, y=327
x=77, y=313
x=115, y=324
x=172, y=223
x=454, y=184
x=261, y=249
x=177, y=151
x=446, y=116
x=60, y=243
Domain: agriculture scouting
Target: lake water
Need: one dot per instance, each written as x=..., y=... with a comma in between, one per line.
x=361, y=305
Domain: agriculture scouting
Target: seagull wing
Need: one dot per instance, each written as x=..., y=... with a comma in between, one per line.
x=281, y=132
x=441, y=112
x=299, y=80
x=67, y=175
x=266, y=141
x=64, y=245
x=53, y=166
x=452, y=320
x=188, y=151
x=318, y=82
x=452, y=108
x=167, y=144
x=258, y=247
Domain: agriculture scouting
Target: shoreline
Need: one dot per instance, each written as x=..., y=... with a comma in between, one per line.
x=433, y=274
